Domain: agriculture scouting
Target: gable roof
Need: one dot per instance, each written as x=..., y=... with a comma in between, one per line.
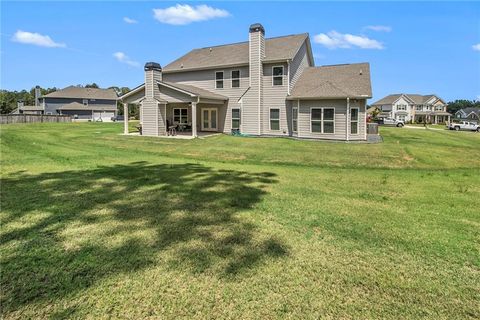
x=276, y=49
x=469, y=110
x=184, y=88
x=414, y=98
x=83, y=93
x=334, y=81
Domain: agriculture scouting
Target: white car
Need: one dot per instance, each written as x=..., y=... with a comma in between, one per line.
x=393, y=122
x=464, y=125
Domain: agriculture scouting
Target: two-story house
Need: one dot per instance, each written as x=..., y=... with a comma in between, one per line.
x=413, y=108
x=81, y=103
x=469, y=114
x=261, y=87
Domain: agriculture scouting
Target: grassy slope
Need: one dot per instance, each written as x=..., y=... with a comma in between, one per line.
x=99, y=224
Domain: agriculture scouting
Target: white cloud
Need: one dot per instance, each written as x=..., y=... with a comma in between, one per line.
x=129, y=20
x=123, y=58
x=379, y=28
x=476, y=47
x=185, y=14
x=36, y=39
x=334, y=39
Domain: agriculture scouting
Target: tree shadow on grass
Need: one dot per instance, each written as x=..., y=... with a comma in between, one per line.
x=63, y=231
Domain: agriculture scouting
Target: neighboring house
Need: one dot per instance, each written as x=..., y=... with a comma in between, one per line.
x=262, y=87
x=413, y=108
x=80, y=103
x=469, y=114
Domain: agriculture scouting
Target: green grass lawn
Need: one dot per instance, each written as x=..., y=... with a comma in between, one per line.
x=99, y=225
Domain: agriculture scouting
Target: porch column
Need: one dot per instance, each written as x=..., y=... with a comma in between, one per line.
x=194, y=119
x=125, y=118
x=436, y=119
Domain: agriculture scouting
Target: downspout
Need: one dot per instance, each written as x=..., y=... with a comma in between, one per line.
x=347, y=137
x=288, y=78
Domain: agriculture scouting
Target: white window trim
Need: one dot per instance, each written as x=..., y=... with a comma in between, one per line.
x=283, y=74
x=173, y=114
x=239, y=118
x=223, y=79
x=322, y=121
x=295, y=108
x=231, y=79
x=357, y=121
x=270, y=119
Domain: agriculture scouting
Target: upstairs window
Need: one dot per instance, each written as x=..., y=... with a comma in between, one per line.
x=418, y=108
x=219, y=80
x=277, y=75
x=402, y=107
x=235, y=78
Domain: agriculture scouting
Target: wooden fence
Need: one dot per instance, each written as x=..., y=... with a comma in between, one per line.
x=33, y=118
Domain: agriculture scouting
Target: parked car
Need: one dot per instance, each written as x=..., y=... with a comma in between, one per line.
x=464, y=125
x=393, y=122
x=118, y=118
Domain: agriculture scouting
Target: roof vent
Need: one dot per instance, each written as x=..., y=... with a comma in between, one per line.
x=210, y=49
x=361, y=71
x=181, y=66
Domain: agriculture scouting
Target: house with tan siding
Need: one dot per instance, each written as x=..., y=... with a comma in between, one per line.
x=260, y=87
x=414, y=108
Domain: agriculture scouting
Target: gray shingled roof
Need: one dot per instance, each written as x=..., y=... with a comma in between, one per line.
x=202, y=93
x=416, y=98
x=470, y=110
x=276, y=49
x=336, y=81
x=80, y=106
x=83, y=93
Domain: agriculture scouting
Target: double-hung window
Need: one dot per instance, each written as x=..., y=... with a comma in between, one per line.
x=235, y=78
x=219, y=80
x=401, y=107
x=274, y=119
x=354, y=121
x=322, y=120
x=277, y=75
x=180, y=115
x=294, y=119
x=236, y=118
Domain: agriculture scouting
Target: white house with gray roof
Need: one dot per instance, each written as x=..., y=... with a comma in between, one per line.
x=261, y=87
x=414, y=108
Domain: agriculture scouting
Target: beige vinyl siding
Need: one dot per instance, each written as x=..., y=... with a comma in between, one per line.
x=274, y=97
x=298, y=64
x=205, y=79
x=340, y=106
x=153, y=112
x=252, y=100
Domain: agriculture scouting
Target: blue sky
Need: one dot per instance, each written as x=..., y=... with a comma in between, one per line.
x=416, y=47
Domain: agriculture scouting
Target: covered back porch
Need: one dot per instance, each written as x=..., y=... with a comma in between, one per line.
x=182, y=111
